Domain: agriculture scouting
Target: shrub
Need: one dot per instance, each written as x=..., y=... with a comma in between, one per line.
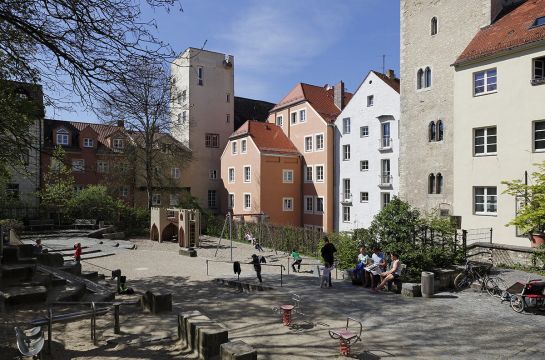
x=93, y=202
x=133, y=221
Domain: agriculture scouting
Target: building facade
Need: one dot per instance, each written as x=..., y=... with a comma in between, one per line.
x=261, y=170
x=431, y=39
x=202, y=118
x=367, y=152
x=499, y=113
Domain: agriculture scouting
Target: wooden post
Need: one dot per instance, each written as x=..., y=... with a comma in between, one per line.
x=117, y=329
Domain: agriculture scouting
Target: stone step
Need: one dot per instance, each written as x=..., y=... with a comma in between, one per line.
x=17, y=271
x=24, y=295
x=68, y=292
x=90, y=275
x=114, y=236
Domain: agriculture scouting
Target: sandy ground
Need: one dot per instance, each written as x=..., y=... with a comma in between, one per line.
x=464, y=325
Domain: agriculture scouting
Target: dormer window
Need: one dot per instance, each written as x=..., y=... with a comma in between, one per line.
x=118, y=144
x=62, y=137
x=88, y=143
x=540, y=21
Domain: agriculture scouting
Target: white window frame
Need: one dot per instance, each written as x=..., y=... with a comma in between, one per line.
x=231, y=180
x=287, y=201
x=234, y=147
x=212, y=174
x=249, y=178
x=485, y=202
x=287, y=176
x=124, y=191
x=88, y=143
x=541, y=68
x=364, y=165
x=364, y=131
x=175, y=173
x=383, y=195
x=347, y=125
x=231, y=201
x=103, y=166
x=308, y=146
x=302, y=115
x=293, y=118
x=307, y=203
x=307, y=168
x=316, y=201
x=62, y=135
x=534, y=136
x=318, y=180
x=280, y=120
x=486, y=82
x=249, y=197
x=370, y=100
x=363, y=198
x=346, y=152
x=155, y=199
x=485, y=143
x=243, y=146
x=346, y=214
x=78, y=165
x=319, y=138
x=118, y=144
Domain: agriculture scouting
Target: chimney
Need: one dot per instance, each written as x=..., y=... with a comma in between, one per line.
x=121, y=123
x=391, y=74
x=338, y=94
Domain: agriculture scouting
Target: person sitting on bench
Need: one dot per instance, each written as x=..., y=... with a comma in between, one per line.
x=373, y=271
x=392, y=274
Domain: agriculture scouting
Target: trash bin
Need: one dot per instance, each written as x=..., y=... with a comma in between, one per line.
x=427, y=284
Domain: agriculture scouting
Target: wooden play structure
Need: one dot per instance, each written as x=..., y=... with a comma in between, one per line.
x=183, y=225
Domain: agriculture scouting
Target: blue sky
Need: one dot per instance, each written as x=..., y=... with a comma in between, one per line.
x=278, y=43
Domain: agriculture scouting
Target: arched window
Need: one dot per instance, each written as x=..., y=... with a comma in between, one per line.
x=420, y=79
x=439, y=134
x=432, y=132
x=431, y=184
x=427, y=75
x=434, y=25
x=438, y=183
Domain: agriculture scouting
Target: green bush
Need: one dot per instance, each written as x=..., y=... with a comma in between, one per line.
x=133, y=221
x=347, y=247
x=93, y=202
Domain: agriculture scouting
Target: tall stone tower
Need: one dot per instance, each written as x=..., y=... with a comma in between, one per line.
x=433, y=34
x=202, y=117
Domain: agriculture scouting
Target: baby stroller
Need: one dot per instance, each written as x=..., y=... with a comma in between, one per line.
x=529, y=295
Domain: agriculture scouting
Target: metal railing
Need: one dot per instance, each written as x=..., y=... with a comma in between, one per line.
x=318, y=264
x=385, y=179
x=282, y=267
x=346, y=197
x=385, y=143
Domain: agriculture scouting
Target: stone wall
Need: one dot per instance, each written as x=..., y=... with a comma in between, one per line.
x=502, y=254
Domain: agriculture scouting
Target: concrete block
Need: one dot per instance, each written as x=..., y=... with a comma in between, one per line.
x=24, y=295
x=18, y=271
x=191, y=330
x=182, y=324
x=237, y=350
x=51, y=259
x=157, y=301
x=411, y=290
x=210, y=336
x=188, y=252
x=114, y=236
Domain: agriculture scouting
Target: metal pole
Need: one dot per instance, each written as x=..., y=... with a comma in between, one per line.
x=117, y=329
x=491, y=235
x=288, y=265
x=281, y=266
x=231, y=235
x=206, y=267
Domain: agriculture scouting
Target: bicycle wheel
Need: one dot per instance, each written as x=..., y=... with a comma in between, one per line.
x=462, y=281
x=517, y=303
x=492, y=288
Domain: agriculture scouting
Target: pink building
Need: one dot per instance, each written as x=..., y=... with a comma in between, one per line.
x=261, y=171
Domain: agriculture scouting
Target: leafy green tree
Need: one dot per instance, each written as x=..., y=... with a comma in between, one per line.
x=398, y=222
x=93, y=202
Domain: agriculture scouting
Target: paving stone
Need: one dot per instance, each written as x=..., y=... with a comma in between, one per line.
x=237, y=350
x=411, y=290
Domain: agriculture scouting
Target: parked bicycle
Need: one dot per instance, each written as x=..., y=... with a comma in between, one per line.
x=471, y=274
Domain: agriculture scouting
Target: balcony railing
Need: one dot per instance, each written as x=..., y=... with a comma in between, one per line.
x=385, y=143
x=346, y=197
x=385, y=180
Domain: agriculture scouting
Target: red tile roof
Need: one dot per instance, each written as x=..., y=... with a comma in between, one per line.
x=511, y=31
x=320, y=98
x=103, y=131
x=392, y=82
x=268, y=137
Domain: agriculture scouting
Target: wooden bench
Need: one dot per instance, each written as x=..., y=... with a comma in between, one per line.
x=347, y=336
x=40, y=224
x=85, y=223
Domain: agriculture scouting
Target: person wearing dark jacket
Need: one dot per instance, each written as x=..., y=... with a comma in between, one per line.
x=257, y=266
x=327, y=254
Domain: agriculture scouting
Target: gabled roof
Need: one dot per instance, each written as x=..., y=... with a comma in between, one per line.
x=513, y=30
x=392, y=82
x=103, y=131
x=320, y=98
x=268, y=138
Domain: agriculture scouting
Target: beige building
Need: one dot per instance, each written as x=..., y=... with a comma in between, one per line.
x=499, y=111
x=433, y=34
x=202, y=115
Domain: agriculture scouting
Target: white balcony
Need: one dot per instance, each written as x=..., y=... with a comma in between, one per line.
x=346, y=198
x=385, y=143
x=385, y=180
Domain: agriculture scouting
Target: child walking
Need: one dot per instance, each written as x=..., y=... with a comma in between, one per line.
x=257, y=266
x=297, y=259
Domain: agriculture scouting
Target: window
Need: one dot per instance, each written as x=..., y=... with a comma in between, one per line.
x=200, y=73
x=293, y=118
x=231, y=201
x=156, y=199
x=347, y=196
x=88, y=143
x=427, y=78
x=212, y=199
x=485, y=200
x=346, y=126
x=175, y=173
x=243, y=146
x=12, y=191
x=485, y=141
x=118, y=144
x=309, y=204
x=364, y=165
x=228, y=98
x=539, y=135
x=234, y=148
x=173, y=200
x=423, y=78
x=102, y=166
x=308, y=143
x=385, y=199
x=364, y=131
x=432, y=131
x=280, y=120
x=184, y=117
x=287, y=204
x=212, y=140
x=212, y=174
x=434, y=26
x=440, y=131
x=386, y=178
x=385, y=139
x=184, y=95
x=62, y=137
x=308, y=174
x=364, y=196
x=78, y=188
x=319, y=204
x=247, y=174
x=540, y=21
x=539, y=71
x=420, y=79
x=78, y=165
x=319, y=173
x=302, y=115
x=227, y=118
x=370, y=100
x=346, y=213
x=346, y=152
x=431, y=183
x=485, y=82
x=287, y=176
x=319, y=142
x=231, y=175
x=247, y=201
x=124, y=191
x=438, y=183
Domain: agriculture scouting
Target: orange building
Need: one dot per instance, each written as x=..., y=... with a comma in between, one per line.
x=261, y=171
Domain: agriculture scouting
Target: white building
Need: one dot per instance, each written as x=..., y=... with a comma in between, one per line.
x=202, y=116
x=367, y=152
